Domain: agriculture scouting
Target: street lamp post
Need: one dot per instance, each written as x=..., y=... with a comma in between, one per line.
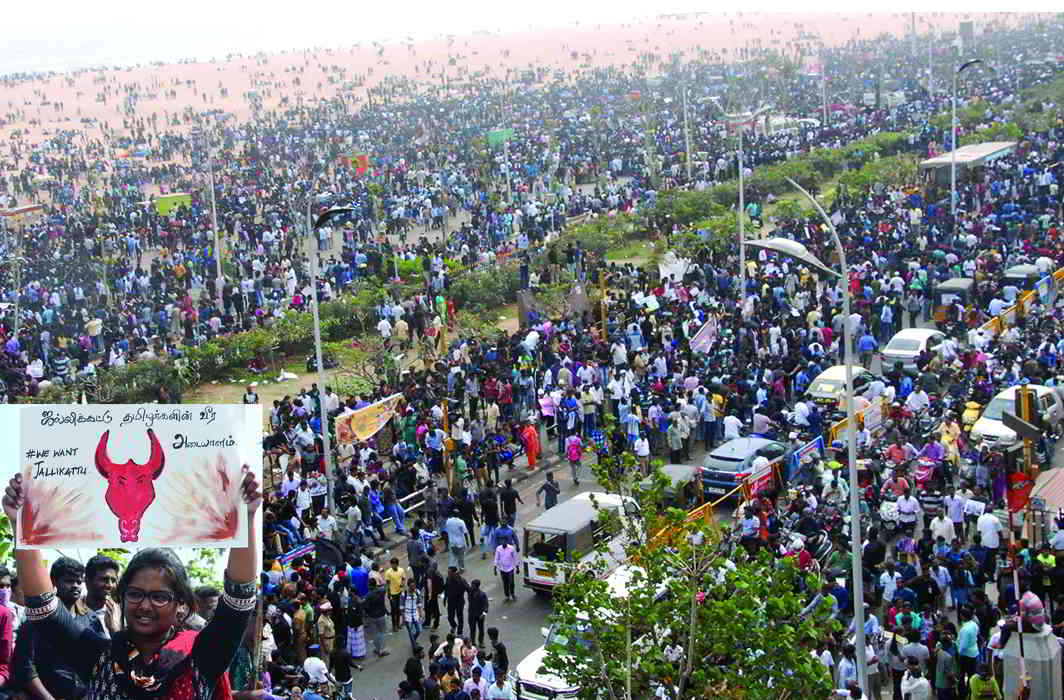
x=953, y=143
x=219, y=279
x=800, y=252
x=687, y=135
x=733, y=119
x=326, y=438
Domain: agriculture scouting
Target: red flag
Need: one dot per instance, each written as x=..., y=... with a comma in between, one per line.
x=361, y=163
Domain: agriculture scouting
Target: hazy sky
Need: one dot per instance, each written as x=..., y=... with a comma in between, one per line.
x=416, y=17
x=64, y=34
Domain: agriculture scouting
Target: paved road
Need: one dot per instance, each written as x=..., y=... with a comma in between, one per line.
x=519, y=622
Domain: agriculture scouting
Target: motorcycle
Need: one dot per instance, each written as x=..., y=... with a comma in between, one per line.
x=888, y=518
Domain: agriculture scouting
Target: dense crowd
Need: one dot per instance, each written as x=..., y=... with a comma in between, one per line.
x=91, y=299
x=563, y=388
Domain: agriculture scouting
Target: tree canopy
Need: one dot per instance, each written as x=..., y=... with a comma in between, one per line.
x=694, y=618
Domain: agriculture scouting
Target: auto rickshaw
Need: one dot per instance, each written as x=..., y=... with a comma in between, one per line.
x=684, y=489
x=1023, y=276
x=957, y=289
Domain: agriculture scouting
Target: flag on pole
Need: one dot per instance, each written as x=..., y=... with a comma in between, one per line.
x=706, y=336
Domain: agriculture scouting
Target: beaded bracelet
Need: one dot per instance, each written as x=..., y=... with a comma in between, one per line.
x=41, y=606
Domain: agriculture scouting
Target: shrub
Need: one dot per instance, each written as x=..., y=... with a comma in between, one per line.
x=489, y=288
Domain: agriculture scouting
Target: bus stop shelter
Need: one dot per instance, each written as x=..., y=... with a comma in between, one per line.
x=968, y=157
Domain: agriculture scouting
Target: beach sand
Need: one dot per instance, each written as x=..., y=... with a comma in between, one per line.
x=166, y=90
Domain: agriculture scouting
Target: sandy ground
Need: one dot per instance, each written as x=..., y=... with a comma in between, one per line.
x=40, y=107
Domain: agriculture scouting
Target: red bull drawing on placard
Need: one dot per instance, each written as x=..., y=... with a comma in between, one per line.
x=136, y=475
x=130, y=486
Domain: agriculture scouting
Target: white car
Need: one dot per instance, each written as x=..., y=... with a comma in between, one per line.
x=907, y=344
x=990, y=431
x=533, y=682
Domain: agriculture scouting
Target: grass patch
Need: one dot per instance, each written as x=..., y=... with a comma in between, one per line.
x=631, y=249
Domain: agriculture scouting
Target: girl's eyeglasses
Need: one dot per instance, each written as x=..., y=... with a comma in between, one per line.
x=159, y=599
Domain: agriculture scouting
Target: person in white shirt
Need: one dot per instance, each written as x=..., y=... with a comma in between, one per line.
x=642, y=451
x=941, y=526
x=316, y=670
x=918, y=401
x=913, y=685
x=908, y=509
x=385, y=328
x=500, y=690
x=888, y=583
x=990, y=530
x=327, y=524
x=732, y=425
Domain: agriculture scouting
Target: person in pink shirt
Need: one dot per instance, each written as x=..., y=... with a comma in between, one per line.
x=506, y=562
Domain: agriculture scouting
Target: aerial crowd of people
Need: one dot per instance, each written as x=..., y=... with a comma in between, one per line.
x=106, y=280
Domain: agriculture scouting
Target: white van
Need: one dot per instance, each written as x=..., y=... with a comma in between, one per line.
x=531, y=681
x=566, y=536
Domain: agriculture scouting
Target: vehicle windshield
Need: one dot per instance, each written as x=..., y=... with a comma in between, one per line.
x=725, y=462
x=564, y=637
x=547, y=546
x=826, y=386
x=904, y=345
x=995, y=408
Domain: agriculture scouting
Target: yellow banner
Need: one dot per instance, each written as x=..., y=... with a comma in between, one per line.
x=365, y=422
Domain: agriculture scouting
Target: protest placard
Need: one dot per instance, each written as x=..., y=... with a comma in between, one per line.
x=136, y=475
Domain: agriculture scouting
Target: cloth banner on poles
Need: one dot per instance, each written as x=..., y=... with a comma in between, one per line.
x=293, y=554
x=706, y=336
x=361, y=162
x=366, y=422
x=673, y=267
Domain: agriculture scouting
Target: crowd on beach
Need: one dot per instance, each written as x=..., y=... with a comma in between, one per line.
x=562, y=389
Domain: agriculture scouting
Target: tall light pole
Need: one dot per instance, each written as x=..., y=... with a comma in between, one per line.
x=326, y=439
x=800, y=252
x=736, y=119
x=953, y=143
x=687, y=134
x=219, y=279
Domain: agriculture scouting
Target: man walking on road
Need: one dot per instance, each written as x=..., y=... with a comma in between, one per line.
x=455, y=592
x=509, y=497
x=478, y=610
x=550, y=490
x=506, y=561
x=395, y=577
x=457, y=532
x=376, y=616
x=500, y=658
x=413, y=606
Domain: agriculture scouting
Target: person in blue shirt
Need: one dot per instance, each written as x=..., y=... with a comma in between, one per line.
x=867, y=345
